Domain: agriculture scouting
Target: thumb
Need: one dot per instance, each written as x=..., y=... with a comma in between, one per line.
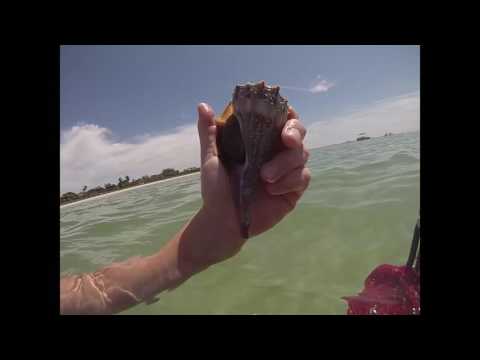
x=207, y=132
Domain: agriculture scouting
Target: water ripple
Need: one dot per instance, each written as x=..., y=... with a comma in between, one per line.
x=358, y=212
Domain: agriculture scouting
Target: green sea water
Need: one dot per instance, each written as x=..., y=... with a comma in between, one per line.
x=359, y=212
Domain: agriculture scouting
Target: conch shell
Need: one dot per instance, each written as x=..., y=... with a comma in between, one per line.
x=248, y=136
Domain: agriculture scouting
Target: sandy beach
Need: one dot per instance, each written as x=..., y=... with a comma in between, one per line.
x=132, y=188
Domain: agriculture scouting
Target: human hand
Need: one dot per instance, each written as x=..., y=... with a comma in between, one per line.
x=284, y=180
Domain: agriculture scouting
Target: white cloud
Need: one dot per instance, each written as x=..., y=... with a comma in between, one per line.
x=89, y=156
x=396, y=114
x=319, y=86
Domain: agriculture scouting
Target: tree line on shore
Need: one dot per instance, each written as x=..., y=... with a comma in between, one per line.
x=123, y=183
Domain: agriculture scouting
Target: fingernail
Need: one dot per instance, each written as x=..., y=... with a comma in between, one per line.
x=204, y=107
x=291, y=130
x=294, y=133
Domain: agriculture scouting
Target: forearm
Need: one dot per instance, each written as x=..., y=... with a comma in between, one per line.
x=122, y=285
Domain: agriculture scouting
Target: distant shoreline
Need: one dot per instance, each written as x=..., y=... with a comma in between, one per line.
x=128, y=189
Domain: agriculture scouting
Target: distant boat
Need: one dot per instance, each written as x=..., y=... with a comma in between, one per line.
x=362, y=136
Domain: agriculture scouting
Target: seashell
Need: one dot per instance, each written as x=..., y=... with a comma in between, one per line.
x=248, y=136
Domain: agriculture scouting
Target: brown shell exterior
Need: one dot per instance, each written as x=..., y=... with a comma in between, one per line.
x=249, y=135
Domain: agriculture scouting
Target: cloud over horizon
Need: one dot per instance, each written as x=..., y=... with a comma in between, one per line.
x=90, y=156
x=396, y=114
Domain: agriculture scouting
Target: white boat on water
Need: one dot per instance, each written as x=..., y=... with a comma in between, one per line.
x=362, y=136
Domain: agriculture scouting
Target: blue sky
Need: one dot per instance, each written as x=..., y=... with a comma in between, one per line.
x=118, y=100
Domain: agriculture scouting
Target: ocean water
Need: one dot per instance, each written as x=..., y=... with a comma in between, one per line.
x=359, y=212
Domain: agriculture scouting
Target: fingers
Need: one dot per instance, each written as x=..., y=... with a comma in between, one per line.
x=206, y=132
x=297, y=181
x=293, y=133
x=283, y=163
